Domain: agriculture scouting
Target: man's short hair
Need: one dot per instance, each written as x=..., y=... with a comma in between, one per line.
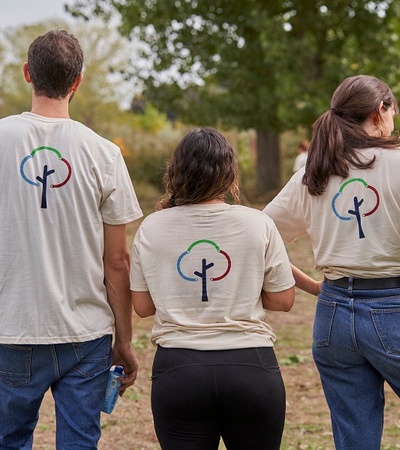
x=55, y=60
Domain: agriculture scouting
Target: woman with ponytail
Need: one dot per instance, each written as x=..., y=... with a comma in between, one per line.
x=347, y=200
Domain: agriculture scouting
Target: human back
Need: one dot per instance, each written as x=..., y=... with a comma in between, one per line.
x=353, y=223
x=56, y=234
x=216, y=312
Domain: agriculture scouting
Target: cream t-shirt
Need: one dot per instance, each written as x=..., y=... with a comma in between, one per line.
x=59, y=182
x=354, y=225
x=205, y=266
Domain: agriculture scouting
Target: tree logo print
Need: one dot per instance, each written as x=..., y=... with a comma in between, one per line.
x=369, y=195
x=29, y=173
x=205, y=266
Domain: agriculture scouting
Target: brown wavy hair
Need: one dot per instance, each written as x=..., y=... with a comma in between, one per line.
x=339, y=132
x=203, y=167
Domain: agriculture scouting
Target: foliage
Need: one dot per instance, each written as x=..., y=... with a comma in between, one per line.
x=147, y=154
x=150, y=120
x=15, y=94
x=255, y=62
x=270, y=65
x=102, y=92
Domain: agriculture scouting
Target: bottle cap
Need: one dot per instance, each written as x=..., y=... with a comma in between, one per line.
x=118, y=369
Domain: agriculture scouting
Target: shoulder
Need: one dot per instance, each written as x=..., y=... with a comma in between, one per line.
x=14, y=120
x=245, y=210
x=13, y=117
x=156, y=217
x=384, y=159
x=252, y=215
x=378, y=153
x=90, y=134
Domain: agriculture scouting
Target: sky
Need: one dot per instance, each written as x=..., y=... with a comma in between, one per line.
x=27, y=12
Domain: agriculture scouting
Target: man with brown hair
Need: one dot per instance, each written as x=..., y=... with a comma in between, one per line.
x=65, y=199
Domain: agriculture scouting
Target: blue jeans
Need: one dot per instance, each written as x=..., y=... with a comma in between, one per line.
x=356, y=347
x=77, y=375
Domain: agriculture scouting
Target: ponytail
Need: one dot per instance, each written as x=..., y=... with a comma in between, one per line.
x=339, y=133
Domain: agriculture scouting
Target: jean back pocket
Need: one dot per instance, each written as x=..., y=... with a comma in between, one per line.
x=15, y=364
x=323, y=323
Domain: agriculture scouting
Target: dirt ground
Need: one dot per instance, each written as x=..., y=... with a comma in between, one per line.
x=307, y=427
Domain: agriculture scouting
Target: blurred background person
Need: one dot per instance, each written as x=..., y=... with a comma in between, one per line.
x=302, y=153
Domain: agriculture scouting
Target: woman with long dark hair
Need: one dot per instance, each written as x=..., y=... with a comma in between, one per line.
x=347, y=199
x=208, y=270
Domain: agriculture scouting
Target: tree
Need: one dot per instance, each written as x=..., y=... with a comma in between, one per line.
x=15, y=95
x=269, y=65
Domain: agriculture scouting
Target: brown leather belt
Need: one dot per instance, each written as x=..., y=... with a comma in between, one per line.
x=365, y=283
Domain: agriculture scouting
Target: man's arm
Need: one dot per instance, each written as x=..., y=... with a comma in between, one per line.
x=116, y=275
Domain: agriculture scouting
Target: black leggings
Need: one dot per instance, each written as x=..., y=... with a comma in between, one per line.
x=199, y=396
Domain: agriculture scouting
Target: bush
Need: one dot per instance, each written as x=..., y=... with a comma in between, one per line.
x=146, y=155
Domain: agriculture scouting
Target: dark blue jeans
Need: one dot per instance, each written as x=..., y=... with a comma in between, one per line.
x=200, y=396
x=77, y=375
x=356, y=348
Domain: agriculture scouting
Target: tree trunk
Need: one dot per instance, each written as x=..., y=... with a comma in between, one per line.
x=268, y=161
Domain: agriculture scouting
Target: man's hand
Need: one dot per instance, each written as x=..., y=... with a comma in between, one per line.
x=124, y=356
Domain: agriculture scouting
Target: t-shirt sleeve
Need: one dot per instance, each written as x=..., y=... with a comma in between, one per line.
x=286, y=210
x=137, y=279
x=120, y=204
x=278, y=272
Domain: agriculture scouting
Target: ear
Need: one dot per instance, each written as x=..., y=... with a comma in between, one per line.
x=77, y=83
x=25, y=71
x=375, y=118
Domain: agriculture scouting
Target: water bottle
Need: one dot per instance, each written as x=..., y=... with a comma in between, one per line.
x=112, y=392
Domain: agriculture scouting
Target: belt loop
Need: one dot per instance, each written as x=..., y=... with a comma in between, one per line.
x=351, y=285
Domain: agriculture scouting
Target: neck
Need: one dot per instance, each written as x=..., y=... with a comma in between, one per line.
x=213, y=200
x=50, y=107
x=371, y=129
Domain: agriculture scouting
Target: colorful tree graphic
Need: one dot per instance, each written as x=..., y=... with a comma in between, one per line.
x=46, y=172
x=205, y=266
x=358, y=200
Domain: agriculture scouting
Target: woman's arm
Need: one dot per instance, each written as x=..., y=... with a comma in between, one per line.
x=305, y=282
x=278, y=301
x=143, y=303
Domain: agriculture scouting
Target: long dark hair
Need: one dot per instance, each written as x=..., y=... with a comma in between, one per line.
x=203, y=167
x=339, y=132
